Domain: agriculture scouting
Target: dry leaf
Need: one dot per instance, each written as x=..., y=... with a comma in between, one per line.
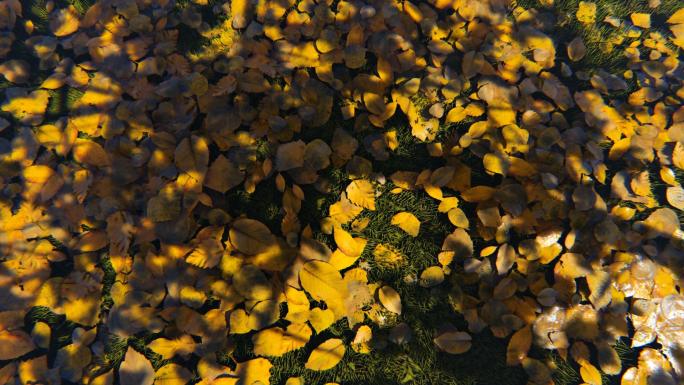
x=326, y=355
x=453, y=342
x=390, y=299
x=407, y=222
x=136, y=369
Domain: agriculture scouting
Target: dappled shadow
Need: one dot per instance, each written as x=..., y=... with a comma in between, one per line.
x=169, y=171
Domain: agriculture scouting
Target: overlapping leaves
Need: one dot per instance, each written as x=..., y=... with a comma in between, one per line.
x=124, y=153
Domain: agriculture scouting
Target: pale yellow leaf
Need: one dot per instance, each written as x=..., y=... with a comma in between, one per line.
x=326, y=355
x=407, y=222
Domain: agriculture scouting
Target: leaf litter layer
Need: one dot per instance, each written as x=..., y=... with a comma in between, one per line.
x=440, y=192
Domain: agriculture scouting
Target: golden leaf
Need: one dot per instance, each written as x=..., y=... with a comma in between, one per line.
x=432, y=276
x=326, y=355
x=347, y=243
x=321, y=319
x=136, y=369
x=323, y=282
x=518, y=346
x=453, y=342
x=14, y=344
x=64, y=21
x=206, y=255
x=183, y=346
x=390, y=299
x=407, y=222
x=250, y=236
x=361, y=193
x=641, y=20
x=172, y=374
x=586, y=13
x=675, y=197
x=276, y=341
x=505, y=258
x=255, y=371
x=590, y=374
x=90, y=153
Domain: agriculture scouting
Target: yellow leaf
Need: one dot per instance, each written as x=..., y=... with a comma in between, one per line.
x=136, y=369
x=275, y=341
x=518, y=346
x=374, y=103
x=183, y=346
x=390, y=299
x=239, y=322
x=206, y=255
x=677, y=17
x=16, y=71
x=360, y=343
x=33, y=371
x=432, y=276
x=346, y=242
x=641, y=20
x=251, y=283
x=255, y=371
x=599, y=283
x=456, y=114
x=38, y=173
x=295, y=381
x=54, y=81
x=239, y=10
x=341, y=260
x=64, y=21
x=53, y=137
x=90, y=153
x=447, y=204
x=586, y=13
x=275, y=258
x=458, y=218
x=14, y=344
x=92, y=241
x=453, y=342
x=27, y=108
x=83, y=310
x=496, y=163
x=433, y=191
x=361, y=193
x=326, y=355
x=590, y=374
x=505, y=258
x=250, y=236
x=71, y=360
x=478, y=194
x=321, y=319
x=106, y=378
x=323, y=282
x=675, y=197
x=172, y=374
x=344, y=210
x=41, y=335
x=457, y=244
x=407, y=222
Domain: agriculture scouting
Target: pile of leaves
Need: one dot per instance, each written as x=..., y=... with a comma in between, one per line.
x=273, y=191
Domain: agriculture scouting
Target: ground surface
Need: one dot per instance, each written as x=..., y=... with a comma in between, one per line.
x=153, y=153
